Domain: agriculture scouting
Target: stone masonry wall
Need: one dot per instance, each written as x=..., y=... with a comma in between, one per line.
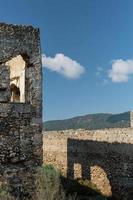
x=102, y=156
x=20, y=123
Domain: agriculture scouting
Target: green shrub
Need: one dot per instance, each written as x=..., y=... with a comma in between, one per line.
x=4, y=193
x=48, y=184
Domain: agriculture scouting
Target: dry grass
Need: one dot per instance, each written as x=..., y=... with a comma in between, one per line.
x=48, y=185
x=4, y=194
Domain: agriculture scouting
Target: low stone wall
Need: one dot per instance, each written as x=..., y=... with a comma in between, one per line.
x=102, y=156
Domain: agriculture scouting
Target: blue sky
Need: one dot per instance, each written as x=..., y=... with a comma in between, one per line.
x=98, y=35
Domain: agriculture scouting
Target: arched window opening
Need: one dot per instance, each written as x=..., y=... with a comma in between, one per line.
x=15, y=93
x=100, y=179
x=17, y=78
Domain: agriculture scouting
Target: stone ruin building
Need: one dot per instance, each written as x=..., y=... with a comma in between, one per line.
x=20, y=107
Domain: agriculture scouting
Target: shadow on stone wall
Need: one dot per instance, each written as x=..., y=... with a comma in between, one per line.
x=80, y=191
x=108, y=165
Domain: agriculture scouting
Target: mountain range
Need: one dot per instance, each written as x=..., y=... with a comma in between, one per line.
x=90, y=122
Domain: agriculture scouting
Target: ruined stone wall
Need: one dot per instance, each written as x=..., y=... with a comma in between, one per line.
x=131, y=119
x=20, y=123
x=102, y=156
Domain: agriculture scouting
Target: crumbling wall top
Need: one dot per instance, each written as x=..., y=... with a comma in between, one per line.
x=18, y=39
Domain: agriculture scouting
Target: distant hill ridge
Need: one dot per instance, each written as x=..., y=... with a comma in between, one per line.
x=90, y=122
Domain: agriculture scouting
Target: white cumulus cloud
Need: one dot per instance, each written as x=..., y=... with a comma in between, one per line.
x=63, y=65
x=121, y=70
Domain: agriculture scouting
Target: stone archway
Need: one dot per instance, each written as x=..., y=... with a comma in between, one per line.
x=98, y=177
